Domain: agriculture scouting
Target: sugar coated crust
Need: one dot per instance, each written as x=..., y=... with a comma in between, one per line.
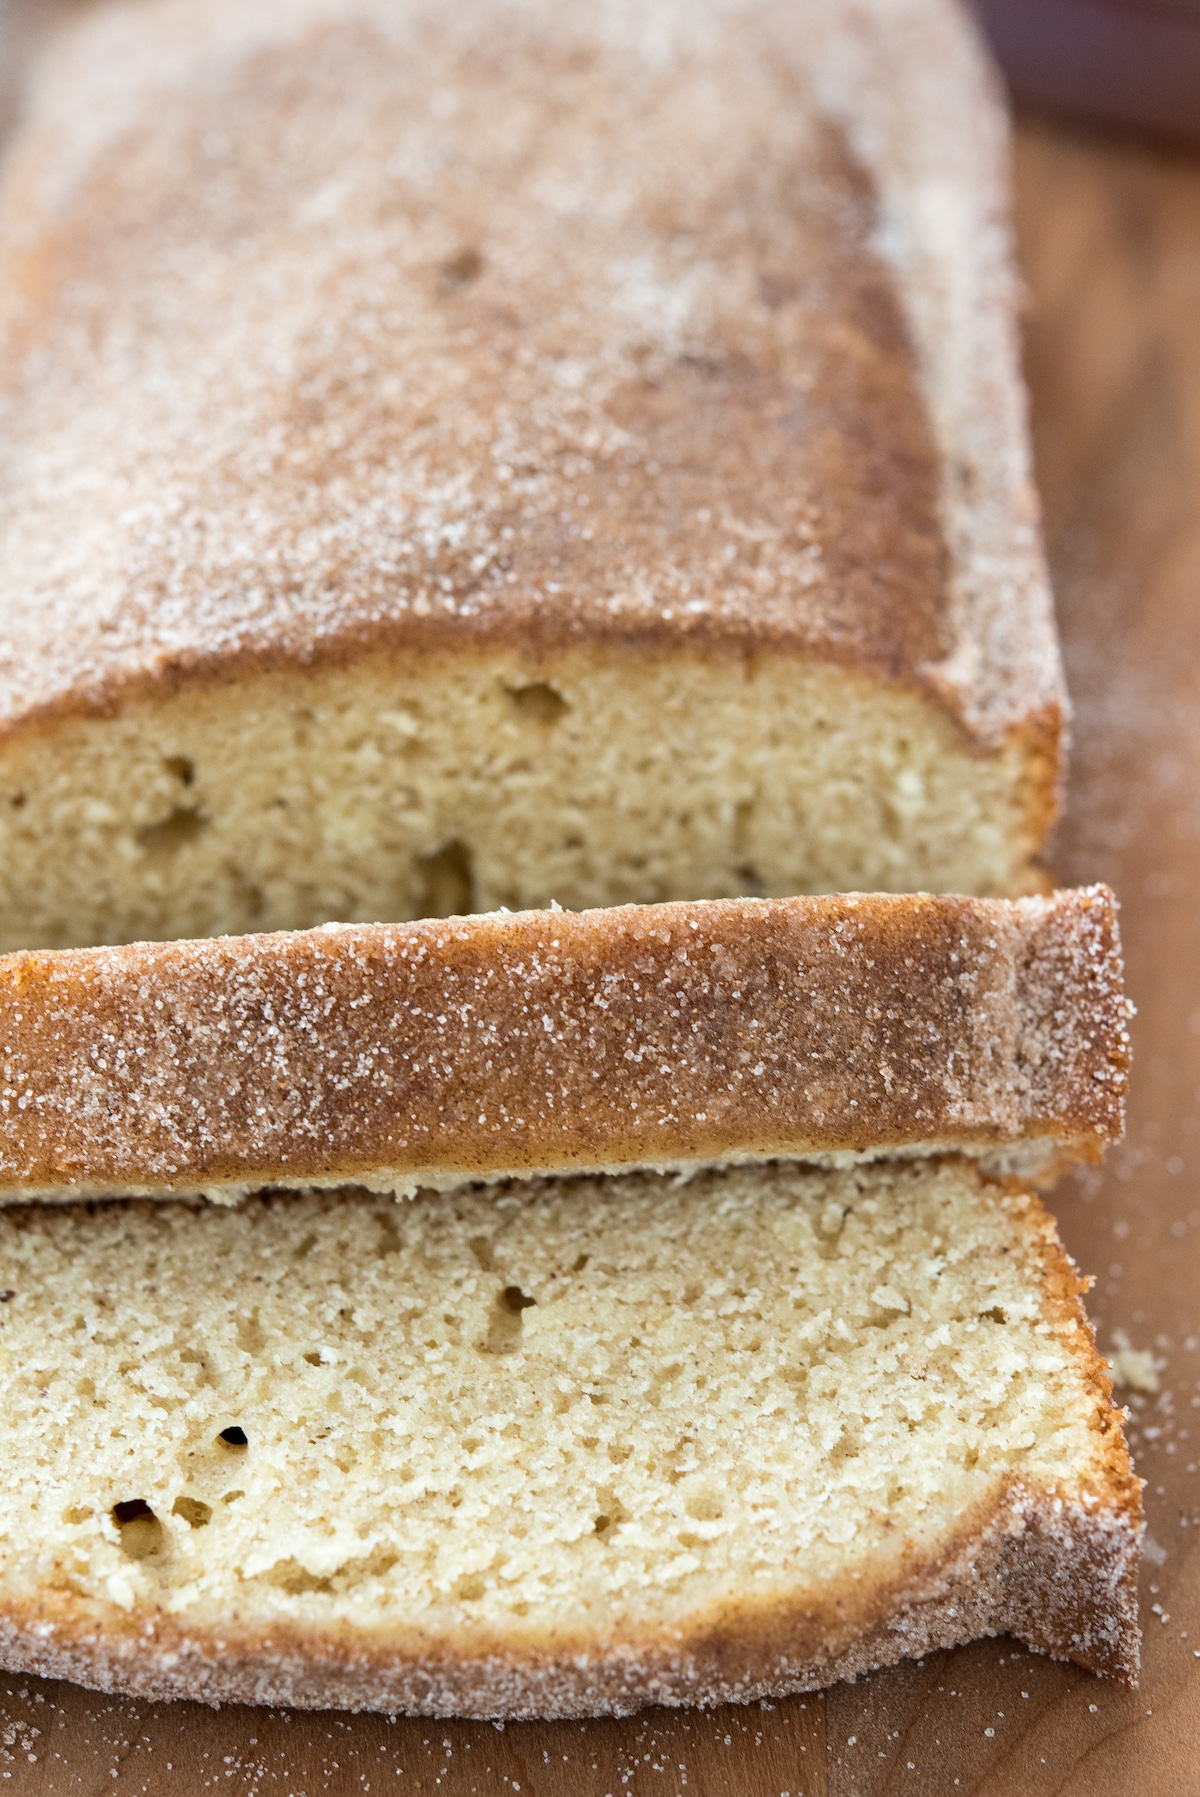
x=689, y=327
x=1056, y=1566
x=550, y=1041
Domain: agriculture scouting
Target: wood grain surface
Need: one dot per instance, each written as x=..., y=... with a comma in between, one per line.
x=1110, y=239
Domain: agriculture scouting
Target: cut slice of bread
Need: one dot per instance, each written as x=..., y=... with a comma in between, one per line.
x=560, y=1448
x=664, y=1036
x=479, y=455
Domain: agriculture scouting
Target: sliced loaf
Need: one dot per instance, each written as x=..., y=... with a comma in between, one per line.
x=560, y=1448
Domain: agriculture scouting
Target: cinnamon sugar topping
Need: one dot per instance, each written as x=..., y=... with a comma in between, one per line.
x=550, y=1041
x=481, y=356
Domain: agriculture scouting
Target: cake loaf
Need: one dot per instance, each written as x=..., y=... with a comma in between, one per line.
x=554, y=1449
x=665, y=1036
x=475, y=456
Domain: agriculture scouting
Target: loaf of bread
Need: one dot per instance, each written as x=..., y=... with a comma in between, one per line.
x=560, y=1448
x=467, y=456
x=666, y=1036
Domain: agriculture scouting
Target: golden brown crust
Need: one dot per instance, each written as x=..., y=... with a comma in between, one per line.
x=1040, y=793
x=673, y=411
x=557, y=1041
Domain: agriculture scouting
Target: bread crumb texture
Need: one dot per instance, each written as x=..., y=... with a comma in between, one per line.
x=598, y=448
x=425, y=785
x=553, y=1447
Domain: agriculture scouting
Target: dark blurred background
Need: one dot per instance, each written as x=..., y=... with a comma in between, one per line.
x=1132, y=63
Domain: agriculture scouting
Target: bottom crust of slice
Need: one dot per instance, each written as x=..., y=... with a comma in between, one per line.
x=565, y=1449
x=1057, y=1576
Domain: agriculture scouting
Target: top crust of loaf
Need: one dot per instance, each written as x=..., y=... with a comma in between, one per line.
x=539, y=1042
x=689, y=326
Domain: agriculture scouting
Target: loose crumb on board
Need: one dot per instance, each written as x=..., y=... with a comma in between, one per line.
x=1132, y=1367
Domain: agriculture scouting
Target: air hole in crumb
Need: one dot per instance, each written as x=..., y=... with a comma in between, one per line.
x=181, y=769
x=459, y=270
x=504, y=1324
x=481, y=1248
x=579, y=1264
x=231, y=1497
x=305, y=1246
x=538, y=703
x=130, y=1510
x=389, y=1235
x=141, y=1532
x=447, y=882
x=313, y=1357
x=609, y=1513
x=77, y=1513
x=704, y=1507
x=18, y=801
x=246, y=893
x=833, y=1215
x=468, y=1590
x=296, y=1580
x=234, y=1436
x=183, y=825
x=997, y=1314
x=194, y=1513
x=249, y=1334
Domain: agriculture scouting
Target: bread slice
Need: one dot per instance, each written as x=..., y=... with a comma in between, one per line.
x=554, y=1449
x=474, y=456
x=666, y=1036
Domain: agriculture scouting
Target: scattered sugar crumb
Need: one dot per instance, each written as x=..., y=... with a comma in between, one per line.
x=1132, y=1367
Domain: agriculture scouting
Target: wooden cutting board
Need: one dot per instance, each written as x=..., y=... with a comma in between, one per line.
x=1110, y=241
